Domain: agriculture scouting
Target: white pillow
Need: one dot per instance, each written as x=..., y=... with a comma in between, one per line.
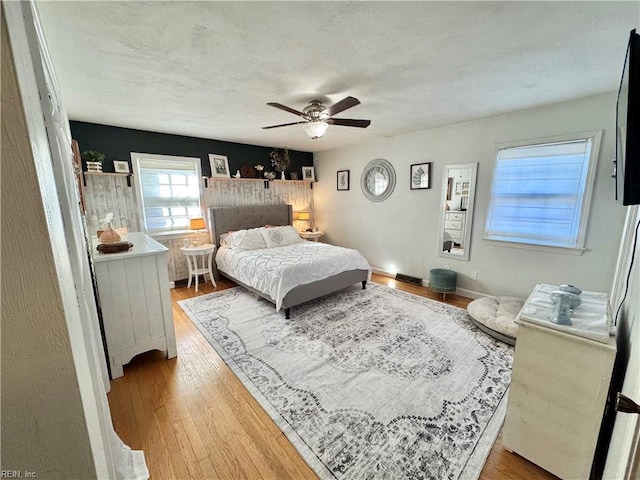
x=280, y=236
x=223, y=239
x=246, y=239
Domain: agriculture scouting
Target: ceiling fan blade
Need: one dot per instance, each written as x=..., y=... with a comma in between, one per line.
x=285, y=108
x=282, y=125
x=349, y=122
x=342, y=105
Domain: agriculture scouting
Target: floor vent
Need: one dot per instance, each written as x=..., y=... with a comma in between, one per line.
x=408, y=279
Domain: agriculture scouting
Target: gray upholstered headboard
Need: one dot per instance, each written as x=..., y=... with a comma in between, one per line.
x=224, y=219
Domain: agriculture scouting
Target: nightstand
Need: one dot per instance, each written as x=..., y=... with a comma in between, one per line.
x=311, y=236
x=199, y=259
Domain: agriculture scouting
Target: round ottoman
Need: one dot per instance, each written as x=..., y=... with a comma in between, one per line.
x=496, y=316
x=443, y=281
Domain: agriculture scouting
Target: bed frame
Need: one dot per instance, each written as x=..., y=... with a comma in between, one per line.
x=225, y=219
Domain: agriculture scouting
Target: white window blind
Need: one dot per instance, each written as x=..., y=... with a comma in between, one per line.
x=539, y=193
x=169, y=191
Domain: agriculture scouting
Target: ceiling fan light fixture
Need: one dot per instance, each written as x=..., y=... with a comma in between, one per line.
x=315, y=129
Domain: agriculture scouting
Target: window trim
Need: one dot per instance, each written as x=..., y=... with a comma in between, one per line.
x=136, y=174
x=596, y=137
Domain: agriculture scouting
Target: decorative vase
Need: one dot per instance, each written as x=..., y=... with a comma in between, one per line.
x=282, y=177
x=109, y=235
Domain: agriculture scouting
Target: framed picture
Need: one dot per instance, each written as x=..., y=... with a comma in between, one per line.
x=420, y=176
x=462, y=188
x=294, y=175
x=121, y=166
x=219, y=166
x=308, y=173
x=343, y=180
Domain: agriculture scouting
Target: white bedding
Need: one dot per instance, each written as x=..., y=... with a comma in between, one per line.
x=275, y=271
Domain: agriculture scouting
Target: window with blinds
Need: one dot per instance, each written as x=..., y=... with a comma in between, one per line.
x=541, y=192
x=168, y=190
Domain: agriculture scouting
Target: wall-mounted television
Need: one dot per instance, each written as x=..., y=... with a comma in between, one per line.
x=628, y=126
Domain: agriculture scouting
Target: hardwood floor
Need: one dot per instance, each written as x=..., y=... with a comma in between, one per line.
x=194, y=419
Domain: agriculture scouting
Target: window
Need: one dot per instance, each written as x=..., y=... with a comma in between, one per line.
x=168, y=191
x=542, y=190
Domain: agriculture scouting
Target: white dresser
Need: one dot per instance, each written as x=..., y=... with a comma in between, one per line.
x=454, y=222
x=133, y=291
x=559, y=385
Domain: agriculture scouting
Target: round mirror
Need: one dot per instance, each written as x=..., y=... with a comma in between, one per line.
x=378, y=180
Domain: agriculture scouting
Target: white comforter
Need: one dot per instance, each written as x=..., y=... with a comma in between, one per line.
x=275, y=271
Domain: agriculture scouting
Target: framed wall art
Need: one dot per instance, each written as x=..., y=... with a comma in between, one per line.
x=342, y=180
x=308, y=173
x=420, y=176
x=121, y=166
x=219, y=166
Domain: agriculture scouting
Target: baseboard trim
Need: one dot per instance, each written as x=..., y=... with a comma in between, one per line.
x=384, y=273
x=463, y=292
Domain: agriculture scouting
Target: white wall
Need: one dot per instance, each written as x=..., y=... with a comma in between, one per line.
x=44, y=429
x=400, y=234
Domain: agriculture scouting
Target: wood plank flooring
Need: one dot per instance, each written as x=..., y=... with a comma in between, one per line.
x=194, y=419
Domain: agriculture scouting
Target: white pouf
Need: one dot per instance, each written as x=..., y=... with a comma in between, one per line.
x=496, y=316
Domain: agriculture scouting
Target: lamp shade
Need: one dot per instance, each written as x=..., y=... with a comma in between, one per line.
x=315, y=129
x=197, y=223
x=303, y=215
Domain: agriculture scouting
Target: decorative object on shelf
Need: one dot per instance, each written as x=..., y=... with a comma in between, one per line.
x=294, y=175
x=94, y=167
x=342, y=180
x=93, y=159
x=247, y=171
x=269, y=175
x=308, y=173
x=109, y=235
x=420, y=176
x=219, y=166
x=378, y=180
x=259, y=168
x=280, y=160
x=304, y=216
x=238, y=175
x=198, y=224
x=116, y=247
x=121, y=166
x=282, y=176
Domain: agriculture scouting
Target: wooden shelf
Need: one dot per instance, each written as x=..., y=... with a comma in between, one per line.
x=255, y=179
x=112, y=174
x=117, y=174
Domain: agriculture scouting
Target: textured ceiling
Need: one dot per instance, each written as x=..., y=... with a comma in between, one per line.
x=207, y=69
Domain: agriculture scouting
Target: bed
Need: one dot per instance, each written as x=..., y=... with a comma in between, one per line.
x=228, y=219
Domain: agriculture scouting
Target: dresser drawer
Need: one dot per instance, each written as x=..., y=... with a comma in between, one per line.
x=454, y=216
x=455, y=235
x=453, y=225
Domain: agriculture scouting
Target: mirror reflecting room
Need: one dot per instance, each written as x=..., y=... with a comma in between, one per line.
x=456, y=210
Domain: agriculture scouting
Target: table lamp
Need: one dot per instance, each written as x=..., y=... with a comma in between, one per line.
x=198, y=224
x=304, y=216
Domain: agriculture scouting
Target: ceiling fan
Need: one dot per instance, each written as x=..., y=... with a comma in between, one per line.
x=317, y=117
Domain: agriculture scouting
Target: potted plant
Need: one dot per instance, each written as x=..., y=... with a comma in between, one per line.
x=93, y=159
x=280, y=160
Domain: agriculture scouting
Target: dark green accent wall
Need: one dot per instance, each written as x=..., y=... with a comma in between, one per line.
x=117, y=143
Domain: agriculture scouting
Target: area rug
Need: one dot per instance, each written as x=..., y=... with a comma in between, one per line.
x=373, y=383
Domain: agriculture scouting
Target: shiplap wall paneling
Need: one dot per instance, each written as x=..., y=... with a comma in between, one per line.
x=111, y=194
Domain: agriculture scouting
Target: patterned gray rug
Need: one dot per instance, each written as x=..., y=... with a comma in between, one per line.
x=373, y=383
